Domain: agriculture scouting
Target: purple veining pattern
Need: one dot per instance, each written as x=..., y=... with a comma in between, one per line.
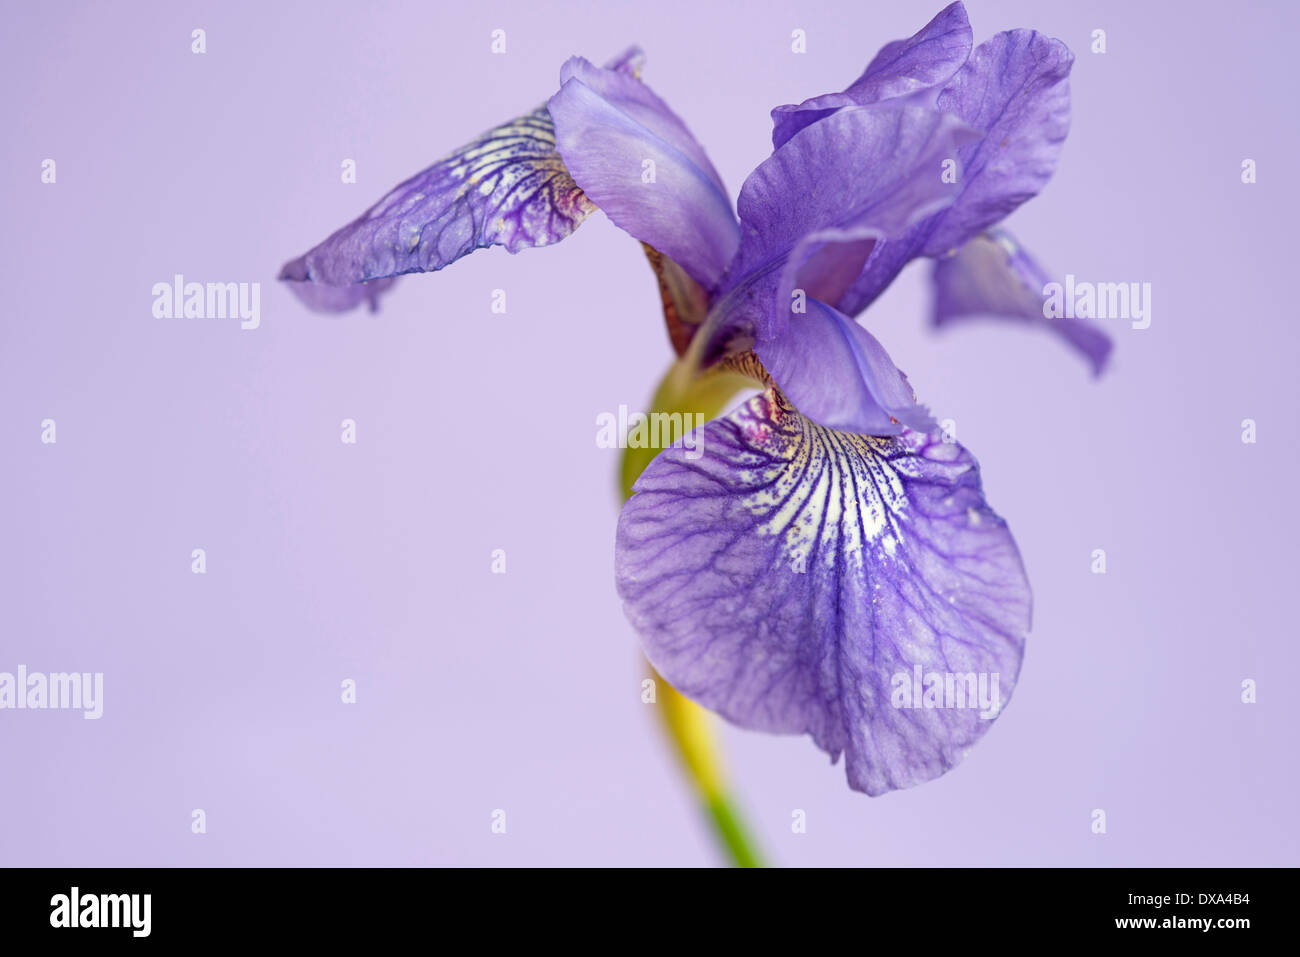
x=787, y=575
x=523, y=691
x=900, y=562
x=508, y=188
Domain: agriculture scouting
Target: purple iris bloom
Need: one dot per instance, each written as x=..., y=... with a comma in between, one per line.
x=824, y=562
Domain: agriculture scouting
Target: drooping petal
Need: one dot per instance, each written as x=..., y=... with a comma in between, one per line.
x=507, y=188
x=1016, y=88
x=991, y=275
x=921, y=62
x=640, y=164
x=837, y=374
x=793, y=578
x=323, y=298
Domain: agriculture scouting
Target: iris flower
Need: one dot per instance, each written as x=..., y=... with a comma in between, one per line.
x=822, y=539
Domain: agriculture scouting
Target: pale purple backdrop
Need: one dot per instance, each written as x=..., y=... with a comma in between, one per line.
x=476, y=432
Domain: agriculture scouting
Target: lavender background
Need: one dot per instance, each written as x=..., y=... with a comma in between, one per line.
x=476, y=431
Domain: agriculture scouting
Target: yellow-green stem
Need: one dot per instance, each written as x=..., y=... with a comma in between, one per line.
x=690, y=727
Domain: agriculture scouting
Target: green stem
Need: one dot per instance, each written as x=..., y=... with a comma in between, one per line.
x=690, y=729
x=689, y=726
x=731, y=832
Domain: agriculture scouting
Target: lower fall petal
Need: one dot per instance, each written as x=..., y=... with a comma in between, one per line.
x=794, y=578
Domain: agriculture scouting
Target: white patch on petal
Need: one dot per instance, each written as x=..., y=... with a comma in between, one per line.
x=830, y=494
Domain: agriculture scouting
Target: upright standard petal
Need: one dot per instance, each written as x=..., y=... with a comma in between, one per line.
x=866, y=171
x=640, y=164
x=991, y=275
x=797, y=579
x=813, y=213
x=905, y=67
x=1015, y=88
